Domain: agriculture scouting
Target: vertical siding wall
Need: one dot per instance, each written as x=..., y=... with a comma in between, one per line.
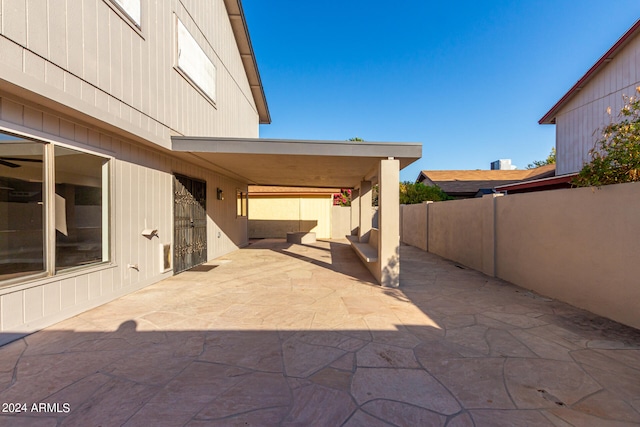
x=83, y=54
x=579, y=245
x=142, y=197
x=578, y=124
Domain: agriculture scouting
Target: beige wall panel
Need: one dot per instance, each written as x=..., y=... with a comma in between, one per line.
x=12, y=306
x=82, y=288
x=14, y=20
x=273, y=217
x=34, y=65
x=33, y=118
x=340, y=222
x=104, y=50
x=116, y=28
x=10, y=54
x=57, y=33
x=33, y=304
x=95, y=288
x=577, y=245
x=75, y=44
x=90, y=40
x=414, y=225
x=11, y=111
x=67, y=294
x=317, y=209
x=455, y=231
x=37, y=25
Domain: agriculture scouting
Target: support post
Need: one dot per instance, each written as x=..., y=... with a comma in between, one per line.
x=389, y=223
x=355, y=211
x=365, y=211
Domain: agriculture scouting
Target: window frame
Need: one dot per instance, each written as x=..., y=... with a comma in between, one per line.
x=128, y=19
x=48, y=200
x=211, y=98
x=242, y=203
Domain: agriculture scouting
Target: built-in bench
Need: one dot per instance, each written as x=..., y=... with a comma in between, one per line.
x=367, y=251
x=301, y=237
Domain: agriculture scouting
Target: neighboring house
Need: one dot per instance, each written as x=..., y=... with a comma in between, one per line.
x=275, y=211
x=463, y=184
x=582, y=112
x=128, y=138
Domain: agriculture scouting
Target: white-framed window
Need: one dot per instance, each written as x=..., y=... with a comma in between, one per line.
x=194, y=63
x=54, y=208
x=131, y=9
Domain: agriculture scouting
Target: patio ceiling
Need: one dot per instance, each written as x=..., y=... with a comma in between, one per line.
x=296, y=163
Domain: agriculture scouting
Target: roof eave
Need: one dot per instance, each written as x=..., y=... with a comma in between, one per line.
x=550, y=117
x=243, y=40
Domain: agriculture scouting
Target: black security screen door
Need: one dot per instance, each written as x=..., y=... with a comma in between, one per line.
x=190, y=223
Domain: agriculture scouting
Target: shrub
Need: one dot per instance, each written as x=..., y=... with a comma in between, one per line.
x=615, y=157
x=417, y=192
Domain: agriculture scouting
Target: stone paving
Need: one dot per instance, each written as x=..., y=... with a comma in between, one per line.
x=281, y=334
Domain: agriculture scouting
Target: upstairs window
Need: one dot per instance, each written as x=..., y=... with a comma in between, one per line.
x=131, y=8
x=194, y=64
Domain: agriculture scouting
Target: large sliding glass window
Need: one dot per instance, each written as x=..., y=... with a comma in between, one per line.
x=48, y=191
x=80, y=215
x=21, y=207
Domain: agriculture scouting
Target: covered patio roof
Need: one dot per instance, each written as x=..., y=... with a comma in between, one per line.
x=298, y=163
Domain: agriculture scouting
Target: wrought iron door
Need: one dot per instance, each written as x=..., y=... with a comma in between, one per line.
x=190, y=223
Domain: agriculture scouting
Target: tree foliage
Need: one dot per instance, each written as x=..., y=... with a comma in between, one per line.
x=417, y=192
x=355, y=139
x=615, y=157
x=550, y=160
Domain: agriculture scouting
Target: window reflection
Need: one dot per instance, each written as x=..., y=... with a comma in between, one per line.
x=80, y=213
x=21, y=207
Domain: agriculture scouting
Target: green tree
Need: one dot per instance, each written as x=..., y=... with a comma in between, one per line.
x=550, y=160
x=417, y=192
x=355, y=139
x=615, y=158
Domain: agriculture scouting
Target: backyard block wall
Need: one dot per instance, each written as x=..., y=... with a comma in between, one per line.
x=579, y=245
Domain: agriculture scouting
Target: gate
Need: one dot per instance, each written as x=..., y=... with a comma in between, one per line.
x=190, y=223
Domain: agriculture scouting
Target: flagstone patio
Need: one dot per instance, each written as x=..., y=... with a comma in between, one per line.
x=285, y=334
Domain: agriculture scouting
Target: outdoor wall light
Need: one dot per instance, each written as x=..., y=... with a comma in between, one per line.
x=220, y=194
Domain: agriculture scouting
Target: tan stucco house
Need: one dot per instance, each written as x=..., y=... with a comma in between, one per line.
x=128, y=139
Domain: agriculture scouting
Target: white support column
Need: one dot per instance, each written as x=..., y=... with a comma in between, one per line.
x=365, y=211
x=389, y=223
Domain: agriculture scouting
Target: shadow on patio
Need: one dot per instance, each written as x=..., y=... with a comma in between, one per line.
x=281, y=334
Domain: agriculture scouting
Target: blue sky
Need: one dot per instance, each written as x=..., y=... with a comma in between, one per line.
x=467, y=79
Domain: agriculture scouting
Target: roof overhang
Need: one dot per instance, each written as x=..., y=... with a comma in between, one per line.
x=554, y=182
x=550, y=117
x=241, y=34
x=296, y=163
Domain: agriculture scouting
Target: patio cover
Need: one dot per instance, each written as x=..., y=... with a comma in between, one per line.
x=296, y=163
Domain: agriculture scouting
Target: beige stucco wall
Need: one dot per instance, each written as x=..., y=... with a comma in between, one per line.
x=415, y=232
x=340, y=222
x=274, y=216
x=579, y=245
x=455, y=231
